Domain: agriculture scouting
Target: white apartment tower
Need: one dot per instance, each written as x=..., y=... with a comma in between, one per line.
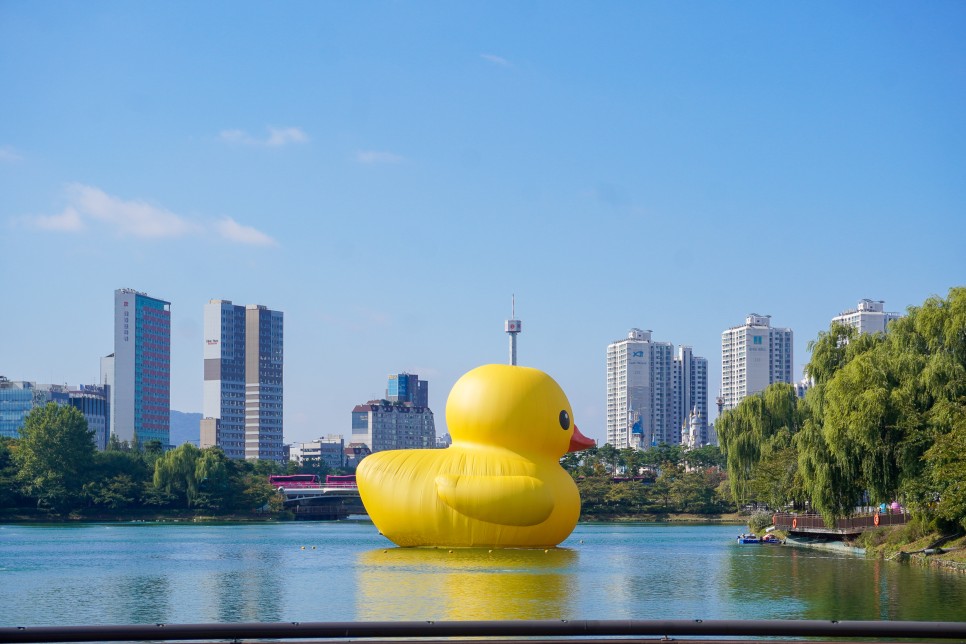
x=867, y=317
x=691, y=395
x=640, y=392
x=242, y=403
x=753, y=356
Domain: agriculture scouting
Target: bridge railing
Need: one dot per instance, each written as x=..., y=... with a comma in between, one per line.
x=426, y=632
x=851, y=525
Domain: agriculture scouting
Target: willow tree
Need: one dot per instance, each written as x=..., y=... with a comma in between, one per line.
x=176, y=472
x=886, y=411
x=759, y=427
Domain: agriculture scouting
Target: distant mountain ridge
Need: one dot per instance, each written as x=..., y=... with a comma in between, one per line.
x=185, y=428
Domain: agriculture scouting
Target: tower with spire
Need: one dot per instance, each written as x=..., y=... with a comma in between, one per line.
x=513, y=327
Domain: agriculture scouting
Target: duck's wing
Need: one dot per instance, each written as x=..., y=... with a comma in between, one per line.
x=504, y=500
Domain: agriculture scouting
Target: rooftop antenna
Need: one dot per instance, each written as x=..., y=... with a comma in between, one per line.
x=513, y=326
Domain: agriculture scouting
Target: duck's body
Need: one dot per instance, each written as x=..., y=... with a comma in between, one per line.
x=499, y=484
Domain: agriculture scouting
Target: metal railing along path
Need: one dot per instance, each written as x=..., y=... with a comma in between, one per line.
x=585, y=631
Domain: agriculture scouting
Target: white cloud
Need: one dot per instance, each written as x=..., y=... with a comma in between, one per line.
x=135, y=218
x=236, y=136
x=281, y=136
x=68, y=221
x=236, y=232
x=496, y=60
x=88, y=204
x=373, y=156
x=277, y=136
x=8, y=154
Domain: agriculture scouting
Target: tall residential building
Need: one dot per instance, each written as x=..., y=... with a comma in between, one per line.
x=141, y=389
x=407, y=387
x=867, y=317
x=753, y=356
x=242, y=403
x=382, y=425
x=691, y=397
x=640, y=392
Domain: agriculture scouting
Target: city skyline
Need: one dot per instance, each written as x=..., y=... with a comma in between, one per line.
x=391, y=175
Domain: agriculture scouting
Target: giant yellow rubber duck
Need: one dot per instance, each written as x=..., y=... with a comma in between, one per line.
x=499, y=484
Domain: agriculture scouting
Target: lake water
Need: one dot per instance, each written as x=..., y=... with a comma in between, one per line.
x=343, y=571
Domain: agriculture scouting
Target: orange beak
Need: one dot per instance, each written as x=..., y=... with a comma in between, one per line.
x=578, y=441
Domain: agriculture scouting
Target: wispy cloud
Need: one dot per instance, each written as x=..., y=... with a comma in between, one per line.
x=135, y=218
x=68, y=221
x=231, y=230
x=373, y=156
x=277, y=137
x=496, y=60
x=8, y=154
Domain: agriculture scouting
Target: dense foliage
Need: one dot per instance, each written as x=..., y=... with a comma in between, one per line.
x=663, y=480
x=884, y=420
x=55, y=468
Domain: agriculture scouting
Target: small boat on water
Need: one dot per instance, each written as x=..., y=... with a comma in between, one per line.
x=748, y=538
x=772, y=539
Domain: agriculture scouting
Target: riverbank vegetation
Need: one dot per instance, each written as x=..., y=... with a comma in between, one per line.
x=884, y=421
x=54, y=472
x=662, y=482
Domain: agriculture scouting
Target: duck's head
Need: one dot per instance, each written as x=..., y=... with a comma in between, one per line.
x=518, y=408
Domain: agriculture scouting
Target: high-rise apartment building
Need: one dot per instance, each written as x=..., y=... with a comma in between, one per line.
x=640, y=392
x=141, y=390
x=867, y=317
x=753, y=356
x=691, y=397
x=407, y=387
x=243, y=392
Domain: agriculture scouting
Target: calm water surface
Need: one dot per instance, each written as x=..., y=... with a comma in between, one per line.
x=188, y=573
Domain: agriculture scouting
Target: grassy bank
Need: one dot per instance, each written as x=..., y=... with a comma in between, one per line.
x=909, y=543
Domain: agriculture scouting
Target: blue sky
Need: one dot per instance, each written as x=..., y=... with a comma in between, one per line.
x=389, y=173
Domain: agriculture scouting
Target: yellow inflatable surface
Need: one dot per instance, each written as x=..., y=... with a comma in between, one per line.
x=499, y=484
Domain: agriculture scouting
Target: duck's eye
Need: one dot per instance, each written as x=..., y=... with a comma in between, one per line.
x=564, y=419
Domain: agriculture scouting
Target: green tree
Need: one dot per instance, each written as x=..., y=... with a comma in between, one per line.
x=54, y=455
x=758, y=427
x=117, y=479
x=215, y=484
x=704, y=457
x=610, y=457
x=10, y=494
x=175, y=473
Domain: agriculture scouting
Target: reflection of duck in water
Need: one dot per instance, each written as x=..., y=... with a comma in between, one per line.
x=465, y=584
x=499, y=484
